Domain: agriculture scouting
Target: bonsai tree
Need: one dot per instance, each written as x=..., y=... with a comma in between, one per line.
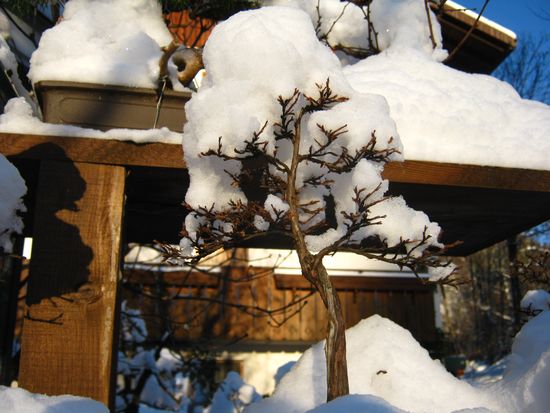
x=278, y=144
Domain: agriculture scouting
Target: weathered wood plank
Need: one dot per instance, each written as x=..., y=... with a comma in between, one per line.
x=68, y=342
x=352, y=283
x=183, y=278
x=474, y=176
x=171, y=156
x=102, y=151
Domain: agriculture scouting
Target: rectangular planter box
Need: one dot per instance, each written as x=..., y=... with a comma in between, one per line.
x=106, y=107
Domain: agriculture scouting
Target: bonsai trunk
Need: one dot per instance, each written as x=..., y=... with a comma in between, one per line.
x=335, y=346
x=315, y=272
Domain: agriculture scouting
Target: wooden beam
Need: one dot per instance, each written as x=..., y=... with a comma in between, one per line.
x=161, y=155
x=171, y=279
x=351, y=283
x=69, y=339
x=471, y=176
x=90, y=150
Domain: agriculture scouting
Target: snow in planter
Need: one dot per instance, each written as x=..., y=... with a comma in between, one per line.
x=103, y=41
x=442, y=115
x=12, y=189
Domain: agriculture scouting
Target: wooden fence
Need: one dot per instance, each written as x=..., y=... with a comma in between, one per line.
x=209, y=307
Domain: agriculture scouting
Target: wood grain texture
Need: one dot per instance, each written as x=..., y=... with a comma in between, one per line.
x=68, y=334
x=353, y=283
x=171, y=156
x=102, y=151
x=405, y=301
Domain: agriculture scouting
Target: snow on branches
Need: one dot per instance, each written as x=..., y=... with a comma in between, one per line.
x=269, y=133
x=278, y=142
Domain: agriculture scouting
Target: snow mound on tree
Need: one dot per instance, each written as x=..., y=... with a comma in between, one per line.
x=384, y=361
x=251, y=60
x=21, y=401
x=12, y=189
x=103, y=41
x=398, y=24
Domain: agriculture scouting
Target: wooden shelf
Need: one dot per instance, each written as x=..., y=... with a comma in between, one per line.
x=478, y=205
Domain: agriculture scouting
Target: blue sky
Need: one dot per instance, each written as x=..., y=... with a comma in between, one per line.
x=517, y=15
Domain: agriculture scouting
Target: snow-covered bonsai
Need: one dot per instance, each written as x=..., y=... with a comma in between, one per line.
x=277, y=142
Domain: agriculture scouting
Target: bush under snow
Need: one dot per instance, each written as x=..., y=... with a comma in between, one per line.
x=12, y=189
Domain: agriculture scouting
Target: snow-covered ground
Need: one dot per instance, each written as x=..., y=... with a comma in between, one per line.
x=389, y=373
x=438, y=113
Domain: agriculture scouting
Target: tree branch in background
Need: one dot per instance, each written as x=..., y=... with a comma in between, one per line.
x=527, y=69
x=467, y=35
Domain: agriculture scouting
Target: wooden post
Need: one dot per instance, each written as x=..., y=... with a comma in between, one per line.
x=10, y=274
x=69, y=338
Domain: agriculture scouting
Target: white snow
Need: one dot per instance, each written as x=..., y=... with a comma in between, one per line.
x=21, y=401
x=535, y=300
x=12, y=189
x=398, y=23
x=10, y=35
x=253, y=58
x=444, y=115
x=18, y=118
x=103, y=41
x=383, y=361
x=390, y=372
x=524, y=387
x=357, y=403
x=233, y=395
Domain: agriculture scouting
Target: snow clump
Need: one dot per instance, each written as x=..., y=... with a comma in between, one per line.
x=384, y=362
x=445, y=115
x=233, y=395
x=12, y=190
x=103, y=41
x=524, y=386
x=399, y=24
x=21, y=401
x=252, y=59
x=535, y=301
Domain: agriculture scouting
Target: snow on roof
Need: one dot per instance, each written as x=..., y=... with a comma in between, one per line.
x=455, y=6
x=445, y=115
